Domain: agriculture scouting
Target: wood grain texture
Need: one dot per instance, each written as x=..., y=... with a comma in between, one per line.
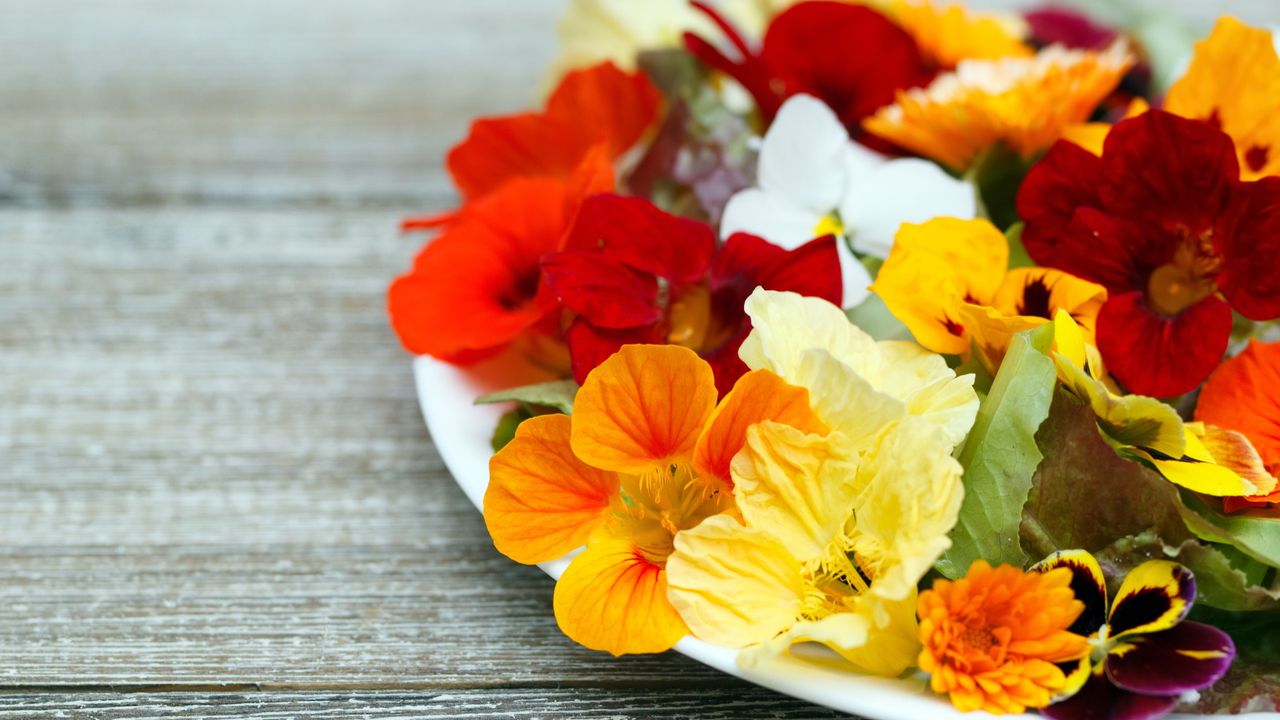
x=216, y=491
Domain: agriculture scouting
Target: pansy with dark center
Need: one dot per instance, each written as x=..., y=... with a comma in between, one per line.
x=1146, y=654
x=1163, y=221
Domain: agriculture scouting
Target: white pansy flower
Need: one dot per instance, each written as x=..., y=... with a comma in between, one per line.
x=813, y=180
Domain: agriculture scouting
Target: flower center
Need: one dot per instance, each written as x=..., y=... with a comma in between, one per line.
x=830, y=224
x=652, y=508
x=1188, y=278
x=978, y=639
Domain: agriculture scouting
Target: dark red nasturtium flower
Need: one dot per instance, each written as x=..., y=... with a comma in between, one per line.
x=851, y=57
x=635, y=274
x=1163, y=221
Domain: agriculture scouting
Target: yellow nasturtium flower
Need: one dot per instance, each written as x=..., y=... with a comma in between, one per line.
x=833, y=532
x=947, y=280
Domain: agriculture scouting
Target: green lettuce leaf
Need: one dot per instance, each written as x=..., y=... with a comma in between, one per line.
x=557, y=394
x=1001, y=455
x=1255, y=534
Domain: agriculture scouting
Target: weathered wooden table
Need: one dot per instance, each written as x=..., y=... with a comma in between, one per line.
x=217, y=497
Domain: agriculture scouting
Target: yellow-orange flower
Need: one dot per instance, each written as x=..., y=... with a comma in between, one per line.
x=1234, y=82
x=991, y=638
x=973, y=299
x=644, y=456
x=947, y=34
x=1025, y=103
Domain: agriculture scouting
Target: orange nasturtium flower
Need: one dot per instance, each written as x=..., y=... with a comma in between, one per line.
x=948, y=34
x=1241, y=397
x=1234, y=82
x=644, y=456
x=973, y=299
x=1025, y=103
x=992, y=638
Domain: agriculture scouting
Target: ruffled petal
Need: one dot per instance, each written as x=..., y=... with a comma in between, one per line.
x=1189, y=656
x=1159, y=356
x=1087, y=582
x=908, y=190
x=758, y=396
x=643, y=409
x=611, y=598
x=1154, y=596
x=734, y=586
x=877, y=636
x=802, y=158
x=797, y=487
x=542, y=501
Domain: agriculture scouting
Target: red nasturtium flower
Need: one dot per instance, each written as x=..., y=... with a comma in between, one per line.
x=635, y=274
x=478, y=286
x=1241, y=396
x=600, y=104
x=1163, y=221
x=851, y=57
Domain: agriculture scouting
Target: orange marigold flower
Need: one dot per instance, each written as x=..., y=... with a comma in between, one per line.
x=992, y=638
x=1025, y=103
x=947, y=34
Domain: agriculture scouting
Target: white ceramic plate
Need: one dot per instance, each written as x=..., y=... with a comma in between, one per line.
x=462, y=430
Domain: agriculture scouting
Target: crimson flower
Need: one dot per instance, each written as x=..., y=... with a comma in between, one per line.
x=635, y=274
x=1163, y=221
x=851, y=57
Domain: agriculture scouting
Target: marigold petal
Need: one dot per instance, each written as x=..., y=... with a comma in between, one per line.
x=1154, y=596
x=542, y=501
x=734, y=586
x=643, y=409
x=757, y=396
x=611, y=598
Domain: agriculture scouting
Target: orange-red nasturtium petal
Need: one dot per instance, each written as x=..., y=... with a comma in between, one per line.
x=542, y=501
x=756, y=397
x=643, y=409
x=611, y=598
x=597, y=105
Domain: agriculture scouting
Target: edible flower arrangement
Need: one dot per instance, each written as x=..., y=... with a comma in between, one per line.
x=943, y=342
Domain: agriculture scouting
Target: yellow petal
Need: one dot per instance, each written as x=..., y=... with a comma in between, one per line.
x=734, y=586
x=1154, y=596
x=643, y=409
x=877, y=636
x=958, y=261
x=1132, y=420
x=610, y=598
x=796, y=486
x=786, y=325
x=1233, y=451
x=757, y=396
x=1234, y=81
x=1196, y=470
x=542, y=501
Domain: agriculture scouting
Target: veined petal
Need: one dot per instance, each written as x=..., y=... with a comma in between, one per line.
x=1197, y=470
x=734, y=586
x=1240, y=396
x=759, y=212
x=786, y=325
x=798, y=487
x=929, y=388
x=758, y=396
x=1189, y=656
x=1087, y=582
x=844, y=400
x=611, y=598
x=542, y=501
x=908, y=190
x=1233, y=451
x=1154, y=596
x=643, y=409
x=877, y=637
x=958, y=260
x=802, y=158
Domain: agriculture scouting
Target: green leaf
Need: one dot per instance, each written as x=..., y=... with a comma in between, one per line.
x=1085, y=495
x=556, y=394
x=1018, y=257
x=1000, y=456
x=507, y=424
x=998, y=174
x=873, y=316
x=1256, y=534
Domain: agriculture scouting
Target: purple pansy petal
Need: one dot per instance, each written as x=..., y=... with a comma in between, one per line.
x=1100, y=700
x=1087, y=582
x=1154, y=596
x=1191, y=656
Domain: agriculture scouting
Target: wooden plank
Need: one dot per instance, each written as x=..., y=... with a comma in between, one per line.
x=731, y=703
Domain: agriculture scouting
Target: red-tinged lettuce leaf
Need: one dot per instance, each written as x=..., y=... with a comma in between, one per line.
x=1248, y=687
x=1084, y=495
x=1000, y=456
